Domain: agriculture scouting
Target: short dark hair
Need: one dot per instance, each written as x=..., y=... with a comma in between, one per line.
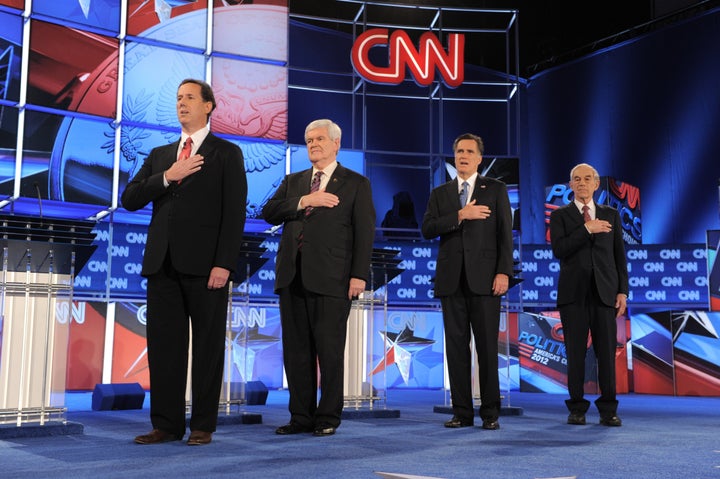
x=470, y=136
x=206, y=91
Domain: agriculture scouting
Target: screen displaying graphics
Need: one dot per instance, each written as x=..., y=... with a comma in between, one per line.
x=620, y=195
x=658, y=275
x=676, y=352
x=254, y=349
x=97, y=100
x=713, y=268
x=543, y=360
x=410, y=352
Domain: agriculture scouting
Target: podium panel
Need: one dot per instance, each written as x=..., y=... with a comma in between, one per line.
x=34, y=347
x=362, y=388
x=39, y=257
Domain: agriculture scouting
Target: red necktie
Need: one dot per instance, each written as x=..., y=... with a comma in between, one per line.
x=185, y=152
x=586, y=213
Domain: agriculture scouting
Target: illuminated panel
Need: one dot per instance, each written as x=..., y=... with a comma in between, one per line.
x=658, y=275
x=8, y=142
x=72, y=70
x=103, y=14
x=10, y=62
x=181, y=22
x=252, y=99
x=19, y=4
x=253, y=30
x=713, y=266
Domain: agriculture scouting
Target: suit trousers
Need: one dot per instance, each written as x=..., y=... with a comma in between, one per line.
x=465, y=313
x=314, y=329
x=590, y=315
x=176, y=302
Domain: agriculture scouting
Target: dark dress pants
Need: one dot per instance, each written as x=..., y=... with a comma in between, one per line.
x=314, y=328
x=174, y=303
x=590, y=315
x=465, y=313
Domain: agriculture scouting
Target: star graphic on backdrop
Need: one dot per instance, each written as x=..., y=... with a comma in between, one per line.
x=244, y=347
x=400, y=350
x=693, y=322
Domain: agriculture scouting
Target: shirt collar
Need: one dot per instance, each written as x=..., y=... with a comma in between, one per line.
x=328, y=170
x=470, y=181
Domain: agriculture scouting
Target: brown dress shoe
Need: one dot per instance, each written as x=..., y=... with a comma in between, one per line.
x=198, y=438
x=156, y=436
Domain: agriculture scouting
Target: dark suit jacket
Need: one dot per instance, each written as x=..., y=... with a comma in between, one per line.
x=337, y=242
x=583, y=255
x=200, y=221
x=484, y=247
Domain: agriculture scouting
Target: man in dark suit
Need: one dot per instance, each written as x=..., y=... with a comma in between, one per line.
x=473, y=218
x=323, y=262
x=592, y=290
x=199, y=195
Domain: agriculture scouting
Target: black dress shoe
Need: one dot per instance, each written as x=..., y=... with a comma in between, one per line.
x=612, y=421
x=324, y=429
x=491, y=424
x=457, y=422
x=293, y=428
x=199, y=438
x=157, y=436
x=576, y=418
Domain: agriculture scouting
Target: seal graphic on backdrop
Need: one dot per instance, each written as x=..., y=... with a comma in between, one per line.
x=252, y=102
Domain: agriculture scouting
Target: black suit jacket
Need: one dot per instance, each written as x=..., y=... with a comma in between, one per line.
x=200, y=221
x=484, y=247
x=337, y=242
x=583, y=255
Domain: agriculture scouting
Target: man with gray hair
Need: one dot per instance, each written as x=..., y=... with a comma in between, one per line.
x=592, y=291
x=323, y=262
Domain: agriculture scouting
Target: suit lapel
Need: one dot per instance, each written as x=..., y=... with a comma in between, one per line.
x=336, y=180
x=451, y=193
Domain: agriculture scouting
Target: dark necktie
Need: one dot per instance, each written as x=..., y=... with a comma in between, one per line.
x=586, y=213
x=185, y=152
x=314, y=186
x=463, y=194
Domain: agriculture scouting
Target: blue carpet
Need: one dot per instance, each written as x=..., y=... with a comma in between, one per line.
x=662, y=437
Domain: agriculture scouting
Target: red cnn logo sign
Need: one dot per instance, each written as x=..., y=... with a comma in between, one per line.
x=403, y=53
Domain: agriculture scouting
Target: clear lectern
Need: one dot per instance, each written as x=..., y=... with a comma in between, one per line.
x=40, y=257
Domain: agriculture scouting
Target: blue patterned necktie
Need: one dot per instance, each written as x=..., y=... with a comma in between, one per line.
x=463, y=194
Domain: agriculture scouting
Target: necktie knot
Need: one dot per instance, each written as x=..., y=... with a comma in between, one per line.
x=186, y=149
x=315, y=185
x=586, y=213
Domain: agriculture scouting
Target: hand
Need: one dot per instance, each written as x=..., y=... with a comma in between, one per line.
x=598, y=226
x=471, y=211
x=620, y=304
x=501, y=283
x=183, y=168
x=320, y=198
x=357, y=286
x=218, y=278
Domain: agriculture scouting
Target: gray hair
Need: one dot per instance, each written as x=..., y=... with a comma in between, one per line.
x=596, y=176
x=334, y=131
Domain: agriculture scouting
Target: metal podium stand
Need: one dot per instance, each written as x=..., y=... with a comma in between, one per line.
x=39, y=259
x=362, y=397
